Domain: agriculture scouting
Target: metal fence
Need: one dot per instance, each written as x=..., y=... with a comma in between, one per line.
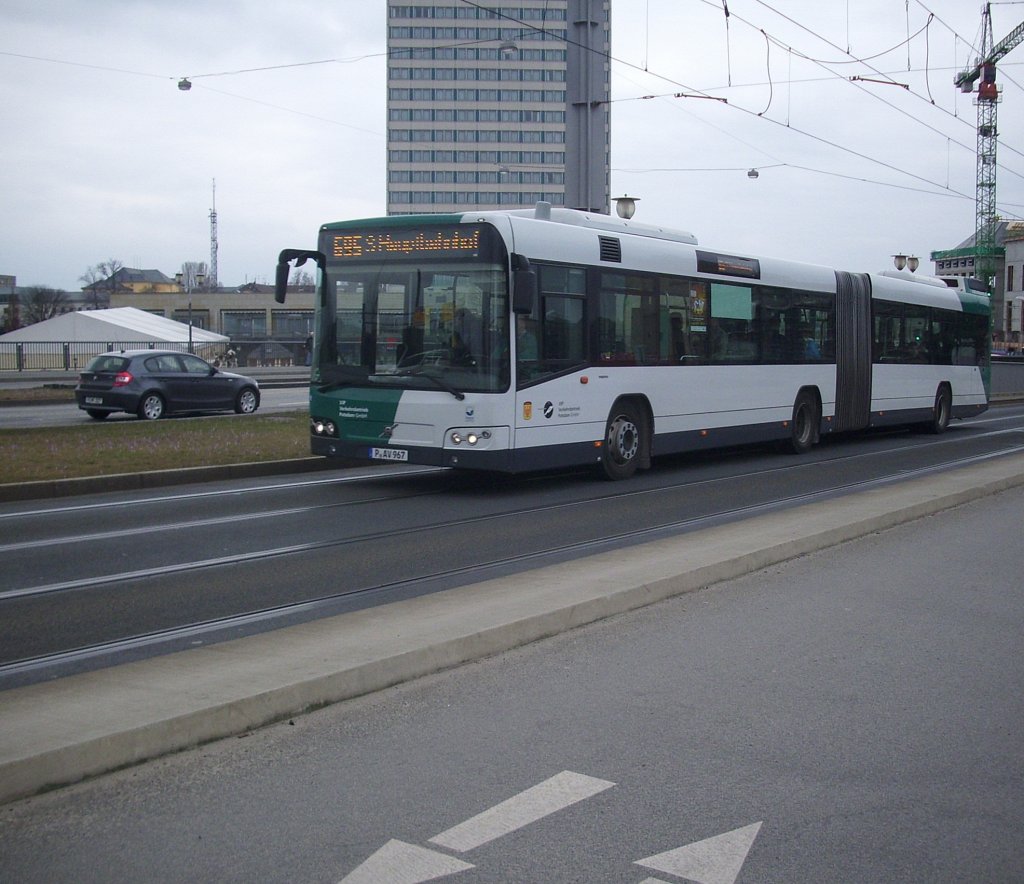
x=75, y=355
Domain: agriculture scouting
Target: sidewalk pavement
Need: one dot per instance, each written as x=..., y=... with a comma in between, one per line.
x=85, y=725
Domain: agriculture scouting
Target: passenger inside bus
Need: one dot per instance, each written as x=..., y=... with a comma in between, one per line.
x=526, y=340
x=678, y=338
x=811, y=350
x=775, y=346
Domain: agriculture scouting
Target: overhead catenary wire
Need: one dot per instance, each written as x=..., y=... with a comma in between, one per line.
x=824, y=65
x=693, y=91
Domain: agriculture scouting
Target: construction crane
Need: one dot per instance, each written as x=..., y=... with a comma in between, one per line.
x=984, y=70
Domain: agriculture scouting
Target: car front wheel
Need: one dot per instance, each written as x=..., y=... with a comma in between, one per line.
x=247, y=401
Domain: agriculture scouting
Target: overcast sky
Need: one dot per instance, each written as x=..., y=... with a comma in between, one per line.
x=104, y=157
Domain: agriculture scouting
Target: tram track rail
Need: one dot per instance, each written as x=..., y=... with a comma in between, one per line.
x=202, y=631
x=370, y=537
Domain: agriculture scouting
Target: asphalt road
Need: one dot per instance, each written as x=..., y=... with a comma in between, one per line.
x=146, y=572
x=850, y=716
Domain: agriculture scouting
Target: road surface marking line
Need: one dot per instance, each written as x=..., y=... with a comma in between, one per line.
x=559, y=792
x=400, y=863
x=716, y=860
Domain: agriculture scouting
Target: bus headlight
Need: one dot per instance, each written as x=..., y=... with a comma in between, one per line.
x=322, y=427
x=470, y=438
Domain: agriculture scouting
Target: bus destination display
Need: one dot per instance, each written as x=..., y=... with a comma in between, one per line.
x=437, y=243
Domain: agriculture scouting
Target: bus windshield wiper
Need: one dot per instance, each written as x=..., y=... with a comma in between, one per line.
x=419, y=373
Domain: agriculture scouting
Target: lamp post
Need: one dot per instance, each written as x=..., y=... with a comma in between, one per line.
x=911, y=262
x=189, y=279
x=625, y=206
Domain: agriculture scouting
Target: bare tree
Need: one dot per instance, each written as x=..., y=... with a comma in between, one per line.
x=99, y=280
x=302, y=278
x=44, y=303
x=12, y=320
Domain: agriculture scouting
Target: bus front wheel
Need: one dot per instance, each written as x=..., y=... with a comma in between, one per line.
x=624, y=443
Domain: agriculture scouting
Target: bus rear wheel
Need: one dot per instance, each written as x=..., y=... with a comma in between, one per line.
x=624, y=442
x=804, y=426
x=941, y=410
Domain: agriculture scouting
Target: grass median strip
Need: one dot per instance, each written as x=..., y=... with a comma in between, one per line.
x=130, y=446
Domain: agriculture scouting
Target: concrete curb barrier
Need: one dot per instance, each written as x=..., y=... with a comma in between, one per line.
x=50, y=488
x=60, y=732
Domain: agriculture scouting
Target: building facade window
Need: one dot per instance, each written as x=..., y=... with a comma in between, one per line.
x=498, y=94
x=244, y=324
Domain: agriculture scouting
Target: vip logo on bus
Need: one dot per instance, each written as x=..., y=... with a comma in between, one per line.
x=549, y=409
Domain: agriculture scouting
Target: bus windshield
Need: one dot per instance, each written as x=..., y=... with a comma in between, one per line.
x=424, y=326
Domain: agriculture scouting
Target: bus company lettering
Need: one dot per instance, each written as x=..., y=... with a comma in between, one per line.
x=447, y=243
x=353, y=412
x=562, y=411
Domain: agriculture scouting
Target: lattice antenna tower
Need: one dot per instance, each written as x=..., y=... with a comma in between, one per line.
x=212, y=279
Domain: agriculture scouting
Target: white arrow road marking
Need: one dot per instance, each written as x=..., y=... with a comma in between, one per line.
x=559, y=792
x=716, y=860
x=400, y=863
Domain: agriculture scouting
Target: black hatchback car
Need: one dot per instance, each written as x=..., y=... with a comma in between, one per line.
x=152, y=383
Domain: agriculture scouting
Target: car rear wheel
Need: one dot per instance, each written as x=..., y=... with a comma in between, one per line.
x=247, y=401
x=151, y=407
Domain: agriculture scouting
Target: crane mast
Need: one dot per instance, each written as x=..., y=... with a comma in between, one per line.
x=987, y=101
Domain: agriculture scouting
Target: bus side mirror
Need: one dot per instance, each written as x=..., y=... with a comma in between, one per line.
x=299, y=256
x=281, y=281
x=524, y=291
x=524, y=285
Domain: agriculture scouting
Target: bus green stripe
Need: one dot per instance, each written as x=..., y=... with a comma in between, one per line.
x=362, y=413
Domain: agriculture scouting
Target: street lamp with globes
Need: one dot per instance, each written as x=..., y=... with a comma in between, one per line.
x=625, y=206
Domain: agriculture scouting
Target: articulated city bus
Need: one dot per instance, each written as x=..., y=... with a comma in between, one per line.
x=549, y=338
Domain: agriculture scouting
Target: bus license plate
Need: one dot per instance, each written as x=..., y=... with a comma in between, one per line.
x=389, y=454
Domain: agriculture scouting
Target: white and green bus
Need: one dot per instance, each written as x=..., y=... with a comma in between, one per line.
x=550, y=338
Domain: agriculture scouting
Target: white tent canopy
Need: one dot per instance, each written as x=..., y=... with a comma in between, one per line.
x=122, y=325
